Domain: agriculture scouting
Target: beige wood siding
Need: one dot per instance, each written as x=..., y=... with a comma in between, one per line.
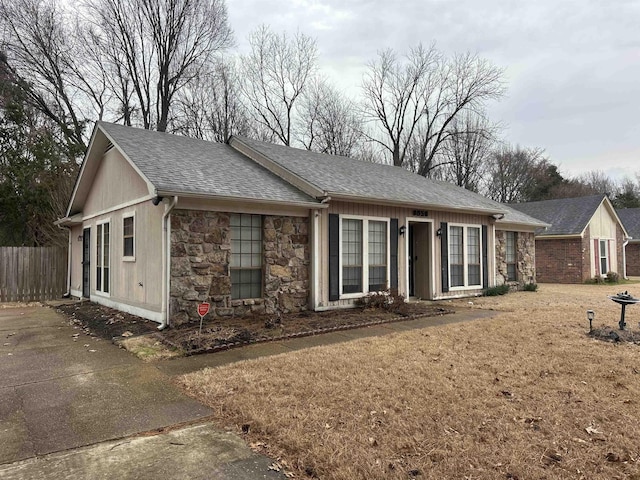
x=603, y=227
x=137, y=283
x=115, y=183
x=404, y=215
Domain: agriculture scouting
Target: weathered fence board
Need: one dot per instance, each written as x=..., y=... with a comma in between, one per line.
x=31, y=274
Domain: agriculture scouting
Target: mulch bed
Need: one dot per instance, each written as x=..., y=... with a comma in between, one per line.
x=225, y=333
x=615, y=335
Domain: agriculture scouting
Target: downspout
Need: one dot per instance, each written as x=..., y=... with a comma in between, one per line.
x=166, y=261
x=315, y=262
x=624, y=258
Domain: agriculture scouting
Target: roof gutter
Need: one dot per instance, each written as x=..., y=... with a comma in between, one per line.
x=166, y=259
x=205, y=196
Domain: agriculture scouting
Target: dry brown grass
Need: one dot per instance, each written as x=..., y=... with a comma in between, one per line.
x=525, y=395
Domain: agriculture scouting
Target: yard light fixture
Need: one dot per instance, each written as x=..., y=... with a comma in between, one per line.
x=590, y=316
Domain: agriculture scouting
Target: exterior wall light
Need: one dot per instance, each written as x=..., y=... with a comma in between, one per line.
x=439, y=232
x=402, y=230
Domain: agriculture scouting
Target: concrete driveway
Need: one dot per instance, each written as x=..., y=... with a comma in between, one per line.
x=61, y=389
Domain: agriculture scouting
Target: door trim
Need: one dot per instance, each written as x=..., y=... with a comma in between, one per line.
x=407, y=221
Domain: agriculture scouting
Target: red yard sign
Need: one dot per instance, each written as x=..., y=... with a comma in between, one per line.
x=203, y=309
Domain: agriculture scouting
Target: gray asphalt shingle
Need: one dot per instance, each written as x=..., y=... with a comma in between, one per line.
x=350, y=177
x=567, y=216
x=630, y=218
x=190, y=166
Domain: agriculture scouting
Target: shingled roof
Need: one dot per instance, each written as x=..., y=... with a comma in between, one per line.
x=348, y=178
x=630, y=218
x=181, y=165
x=566, y=216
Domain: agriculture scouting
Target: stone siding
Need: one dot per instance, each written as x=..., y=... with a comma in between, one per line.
x=526, y=257
x=200, y=256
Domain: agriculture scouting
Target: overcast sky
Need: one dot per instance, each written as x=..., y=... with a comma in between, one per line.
x=572, y=67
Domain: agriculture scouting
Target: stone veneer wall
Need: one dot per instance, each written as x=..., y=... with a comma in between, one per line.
x=200, y=255
x=526, y=256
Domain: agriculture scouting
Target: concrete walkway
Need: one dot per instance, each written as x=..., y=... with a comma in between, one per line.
x=61, y=389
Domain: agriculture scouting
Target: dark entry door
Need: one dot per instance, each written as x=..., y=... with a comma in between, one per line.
x=86, y=262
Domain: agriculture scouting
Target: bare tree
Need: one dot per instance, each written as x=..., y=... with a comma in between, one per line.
x=413, y=102
x=156, y=48
x=394, y=97
x=210, y=107
x=467, y=150
x=512, y=173
x=41, y=56
x=275, y=75
x=329, y=121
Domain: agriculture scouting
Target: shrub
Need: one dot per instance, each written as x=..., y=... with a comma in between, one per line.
x=598, y=280
x=612, y=277
x=495, y=291
x=387, y=299
x=530, y=287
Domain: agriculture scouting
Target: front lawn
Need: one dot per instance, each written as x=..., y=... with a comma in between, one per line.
x=525, y=395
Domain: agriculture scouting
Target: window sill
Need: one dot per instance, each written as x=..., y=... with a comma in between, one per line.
x=128, y=259
x=102, y=294
x=465, y=287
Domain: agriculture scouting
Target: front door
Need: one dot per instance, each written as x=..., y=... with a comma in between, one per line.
x=420, y=262
x=86, y=262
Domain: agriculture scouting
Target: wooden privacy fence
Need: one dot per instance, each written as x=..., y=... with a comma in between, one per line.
x=31, y=274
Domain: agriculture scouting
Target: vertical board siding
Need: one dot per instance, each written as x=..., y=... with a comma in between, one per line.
x=30, y=274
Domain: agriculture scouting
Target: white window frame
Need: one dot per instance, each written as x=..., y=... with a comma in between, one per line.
x=465, y=255
x=106, y=221
x=129, y=258
x=365, y=253
x=606, y=258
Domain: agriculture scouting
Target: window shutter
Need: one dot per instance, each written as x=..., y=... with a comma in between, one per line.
x=597, y=253
x=485, y=257
x=444, y=255
x=393, y=252
x=334, y=257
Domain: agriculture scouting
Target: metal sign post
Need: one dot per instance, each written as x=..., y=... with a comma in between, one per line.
x=203, y=309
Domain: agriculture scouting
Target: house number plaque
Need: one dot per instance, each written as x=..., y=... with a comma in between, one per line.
x=420, y=213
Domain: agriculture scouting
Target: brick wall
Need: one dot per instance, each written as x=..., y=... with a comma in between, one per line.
x=633, y=259
x=562, y=260
x=200, y=256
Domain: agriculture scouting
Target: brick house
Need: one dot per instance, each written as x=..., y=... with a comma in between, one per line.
x=585, y=239
x=159, y=223
x=631, y=220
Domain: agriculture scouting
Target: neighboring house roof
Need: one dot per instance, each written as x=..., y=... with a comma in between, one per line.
x=566, y=216
x=515, y=217
x=630, y=218
x=350, y=179
x=173, y=164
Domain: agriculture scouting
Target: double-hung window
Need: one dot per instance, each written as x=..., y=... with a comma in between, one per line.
x=604, y=256
x=128, y=237
x=246, y=256
x=365, y=255
x=465, y=257
x=102, y=257
x=511, y=257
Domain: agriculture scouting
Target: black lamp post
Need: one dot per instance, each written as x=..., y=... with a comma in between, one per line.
x=590, y=316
